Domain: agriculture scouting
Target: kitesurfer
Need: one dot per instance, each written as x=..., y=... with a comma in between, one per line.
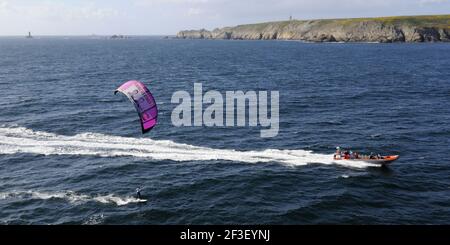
x=138, y=193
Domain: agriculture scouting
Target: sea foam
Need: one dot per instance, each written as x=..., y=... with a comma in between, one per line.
x=15, y=140
x=69, y=196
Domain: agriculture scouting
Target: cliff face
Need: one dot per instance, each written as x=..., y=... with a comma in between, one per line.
x=389, y=29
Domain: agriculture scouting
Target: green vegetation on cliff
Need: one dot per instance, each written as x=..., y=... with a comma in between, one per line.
x=424, y=21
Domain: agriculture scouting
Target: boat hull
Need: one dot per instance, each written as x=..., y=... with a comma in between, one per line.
x=386, y=160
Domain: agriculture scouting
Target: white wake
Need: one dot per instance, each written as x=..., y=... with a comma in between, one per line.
x=15, y=140
x=69, y=196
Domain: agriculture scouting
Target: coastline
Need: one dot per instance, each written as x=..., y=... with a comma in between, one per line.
x=414, y=29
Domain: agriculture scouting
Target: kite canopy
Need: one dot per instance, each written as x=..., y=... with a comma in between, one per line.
x=143, y=101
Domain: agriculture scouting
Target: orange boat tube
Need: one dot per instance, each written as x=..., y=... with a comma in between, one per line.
x=384, y=160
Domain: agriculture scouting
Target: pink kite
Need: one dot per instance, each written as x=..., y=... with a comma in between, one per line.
x=143, y=101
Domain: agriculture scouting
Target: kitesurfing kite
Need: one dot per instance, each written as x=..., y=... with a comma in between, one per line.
x=143, y=101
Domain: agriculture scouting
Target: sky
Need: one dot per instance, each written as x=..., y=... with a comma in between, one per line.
x=167, y=17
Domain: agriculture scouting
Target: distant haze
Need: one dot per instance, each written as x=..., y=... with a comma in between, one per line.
x=167, y=17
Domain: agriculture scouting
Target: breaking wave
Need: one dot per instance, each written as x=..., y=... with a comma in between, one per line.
x=15, y=140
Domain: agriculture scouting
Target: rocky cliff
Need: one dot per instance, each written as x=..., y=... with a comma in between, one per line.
x=434, y=28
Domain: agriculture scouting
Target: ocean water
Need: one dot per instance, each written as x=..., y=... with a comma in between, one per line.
x=72, y=153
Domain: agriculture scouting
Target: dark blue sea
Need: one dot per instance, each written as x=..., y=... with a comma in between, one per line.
x=73, y=153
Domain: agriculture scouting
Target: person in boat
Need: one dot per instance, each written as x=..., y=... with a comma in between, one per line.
x=338, y=155
x=346, y=155
x=372, y=156
x=350, y=153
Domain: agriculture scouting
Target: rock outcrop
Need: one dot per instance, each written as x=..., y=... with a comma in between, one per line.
x=386, y=30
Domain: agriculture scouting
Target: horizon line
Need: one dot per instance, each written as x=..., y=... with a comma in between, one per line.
x=92, y=35
x=250, y=23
